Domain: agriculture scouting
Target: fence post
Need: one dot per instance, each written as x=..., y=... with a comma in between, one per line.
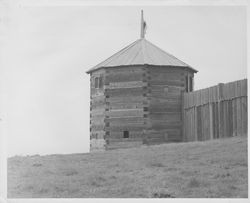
x=219, y=94
x=182, y=115
x=195, y=123
x=211, y=120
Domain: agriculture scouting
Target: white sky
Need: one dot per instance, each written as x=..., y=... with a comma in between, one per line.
x=45, y=90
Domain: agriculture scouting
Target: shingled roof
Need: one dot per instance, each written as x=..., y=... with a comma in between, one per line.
x=141, y=52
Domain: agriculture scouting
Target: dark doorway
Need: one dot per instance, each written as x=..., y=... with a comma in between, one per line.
x=126, y=134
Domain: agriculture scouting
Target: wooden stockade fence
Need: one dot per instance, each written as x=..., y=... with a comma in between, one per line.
x=215, y=112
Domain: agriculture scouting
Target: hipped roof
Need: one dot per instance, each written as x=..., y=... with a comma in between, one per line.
x=141, y=52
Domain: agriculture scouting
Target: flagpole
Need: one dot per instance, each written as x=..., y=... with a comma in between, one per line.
x=142, y=22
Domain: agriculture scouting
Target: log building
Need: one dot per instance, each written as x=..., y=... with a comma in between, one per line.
x=136, y=97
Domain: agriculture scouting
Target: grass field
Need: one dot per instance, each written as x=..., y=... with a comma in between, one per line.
x=215, y=168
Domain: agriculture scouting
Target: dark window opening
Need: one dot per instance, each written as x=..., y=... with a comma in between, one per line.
x=186, y=83
x=126, y=134
x=190, y=84
x=96, y=82
x=99, y=82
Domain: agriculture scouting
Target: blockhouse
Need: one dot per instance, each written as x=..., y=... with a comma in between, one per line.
x=136, y=97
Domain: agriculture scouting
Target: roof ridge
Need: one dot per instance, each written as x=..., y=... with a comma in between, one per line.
x=143, y=50
x=146, y=53
x=137, y=53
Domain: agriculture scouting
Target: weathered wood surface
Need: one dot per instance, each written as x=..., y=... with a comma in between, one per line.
x=138, y=100
x=165, y=103
x=119, y=134
x=122, y=102
x=216, y=112
x=217, y=93
x=97, y=113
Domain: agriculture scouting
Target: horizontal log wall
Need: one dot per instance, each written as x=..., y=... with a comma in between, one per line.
x=165, y=86
x=126, y=100
x=97, y=113
x=144, y=101
x=216, y=112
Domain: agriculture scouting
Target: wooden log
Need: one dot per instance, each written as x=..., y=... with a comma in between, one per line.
x=139, y=123
x=97, y=112
x=186, y=126
x=125, y=119
x=227, y=117
x=125, y=105
x=234, y=117
x=245, y=116
x=97, y=120
x=211, y=121
x=97, y=103
x=182, y=116
x=167, y=102
x=195, y=123
x=131, y=84
x=163, y=88
x=168, y=71
x=230, y=114
x=119, y=134
x=202, y=123
x=135, y=99
x=124, y=128
x=219, y=89
x=166, y=82
x=97, y=127
x=240, y=116
x=125, y=92
x=165, y=95
x=199, y=123
x=125, y=113
x=191, y=131
x=239, y=121
x=124, y=76
x=120, y=70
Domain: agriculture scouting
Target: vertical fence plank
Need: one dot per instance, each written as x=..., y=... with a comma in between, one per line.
x=238, y=116
x=210, y=121
x=215, y=112
x=244, y=105
x=219, y=111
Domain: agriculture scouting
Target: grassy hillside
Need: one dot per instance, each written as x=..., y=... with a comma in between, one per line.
x=215, y=168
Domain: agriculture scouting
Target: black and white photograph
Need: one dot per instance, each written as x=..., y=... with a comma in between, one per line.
x=123, y=100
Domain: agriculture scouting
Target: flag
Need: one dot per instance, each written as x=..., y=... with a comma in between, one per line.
x=143, y=26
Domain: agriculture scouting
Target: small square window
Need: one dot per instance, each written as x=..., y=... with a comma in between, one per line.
x=98, y=82
x=126, y=134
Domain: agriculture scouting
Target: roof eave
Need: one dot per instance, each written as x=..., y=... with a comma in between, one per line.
x=194, y=70
x=98, y=68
